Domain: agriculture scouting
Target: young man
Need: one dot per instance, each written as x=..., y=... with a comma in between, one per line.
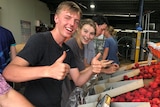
x=46, y=60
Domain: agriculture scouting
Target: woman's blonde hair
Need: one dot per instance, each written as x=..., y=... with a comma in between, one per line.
x=111, y=30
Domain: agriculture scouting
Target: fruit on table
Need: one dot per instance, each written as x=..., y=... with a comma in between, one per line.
x=148, y=93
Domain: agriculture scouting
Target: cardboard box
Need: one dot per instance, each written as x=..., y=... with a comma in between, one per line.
x=124, y=69
x=128, y=67
x=88, y=105
x=118, y=88
x=118, y=76
x=120, y=104
x=104, y=76
x=130, y=104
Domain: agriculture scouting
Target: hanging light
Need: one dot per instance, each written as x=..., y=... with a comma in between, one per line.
x=92, y=6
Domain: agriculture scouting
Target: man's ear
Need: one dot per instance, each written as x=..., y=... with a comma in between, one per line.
x=55, y=18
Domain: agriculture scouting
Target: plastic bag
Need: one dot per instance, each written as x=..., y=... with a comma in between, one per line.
x=76, y=98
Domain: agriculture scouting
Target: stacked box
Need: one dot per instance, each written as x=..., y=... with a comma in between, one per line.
x=120, y=104
x=117, y=88
x=118, y=76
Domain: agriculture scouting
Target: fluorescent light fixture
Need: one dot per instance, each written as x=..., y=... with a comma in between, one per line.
x=117, y=15
x=120, y=15
x=92, y=6
x=82, y=5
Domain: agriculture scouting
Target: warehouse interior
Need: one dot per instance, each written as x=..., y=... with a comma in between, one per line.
x=117, y=11
x=125, y=16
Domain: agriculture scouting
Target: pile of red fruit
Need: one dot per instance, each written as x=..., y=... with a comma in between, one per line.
x=150, y=92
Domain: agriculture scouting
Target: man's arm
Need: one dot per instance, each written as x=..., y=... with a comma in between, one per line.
x=18, y=70
x=14, y=99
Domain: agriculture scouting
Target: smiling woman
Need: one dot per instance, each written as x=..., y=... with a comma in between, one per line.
x=84, y=34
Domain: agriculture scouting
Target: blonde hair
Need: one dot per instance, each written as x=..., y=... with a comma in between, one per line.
x=111, y=30
x=69, y=5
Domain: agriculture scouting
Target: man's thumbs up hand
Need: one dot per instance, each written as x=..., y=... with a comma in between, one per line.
x=62, y=57
x=59, y=70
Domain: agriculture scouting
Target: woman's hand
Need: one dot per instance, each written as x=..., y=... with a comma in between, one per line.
x=110, y=69
x=96, y=64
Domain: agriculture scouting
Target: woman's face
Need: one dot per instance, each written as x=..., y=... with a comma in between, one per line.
x=87, y=33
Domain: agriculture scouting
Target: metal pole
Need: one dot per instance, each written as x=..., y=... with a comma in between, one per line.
x=139, y=28
x=145, y=17
x=148, y=27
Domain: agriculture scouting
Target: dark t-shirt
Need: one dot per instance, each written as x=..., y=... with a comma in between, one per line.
x=41, y=49
x=6, y=41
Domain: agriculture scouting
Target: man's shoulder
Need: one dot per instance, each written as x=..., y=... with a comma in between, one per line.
x=2, y=29
x=41, y=35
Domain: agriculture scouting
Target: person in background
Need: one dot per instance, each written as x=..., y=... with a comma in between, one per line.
x=10, y=97
x=110, y=51
x=89, y=49
x=46, y=60
x=89, y=52
x=7, y=49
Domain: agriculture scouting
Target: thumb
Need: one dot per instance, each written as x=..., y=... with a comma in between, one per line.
x=62, y=57
x=98, y=56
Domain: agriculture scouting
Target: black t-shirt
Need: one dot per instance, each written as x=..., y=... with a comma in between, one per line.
x=41, y=49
